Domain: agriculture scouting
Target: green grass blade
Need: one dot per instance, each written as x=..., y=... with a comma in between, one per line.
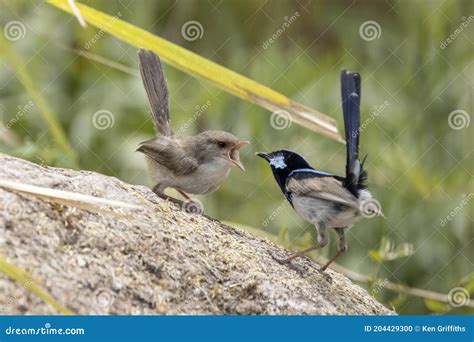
x=196, y=65
x=28, y=281
x=23, y=76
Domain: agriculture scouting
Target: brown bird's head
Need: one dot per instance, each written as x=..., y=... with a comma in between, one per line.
x=218, y=144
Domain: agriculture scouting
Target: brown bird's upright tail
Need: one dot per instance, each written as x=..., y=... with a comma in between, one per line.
x=156, y=89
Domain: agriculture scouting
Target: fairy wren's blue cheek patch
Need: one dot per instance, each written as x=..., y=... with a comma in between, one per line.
x=278, y=162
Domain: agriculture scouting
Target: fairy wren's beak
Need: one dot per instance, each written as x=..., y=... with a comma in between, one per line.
x=263, y=155
x=234, y=154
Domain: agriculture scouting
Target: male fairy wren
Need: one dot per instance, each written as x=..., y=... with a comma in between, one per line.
x=321, y=198
x=195, y=164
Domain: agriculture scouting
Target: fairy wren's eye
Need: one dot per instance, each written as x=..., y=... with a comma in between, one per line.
x=221, y=144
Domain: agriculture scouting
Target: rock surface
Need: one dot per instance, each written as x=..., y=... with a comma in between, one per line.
x=151, y=259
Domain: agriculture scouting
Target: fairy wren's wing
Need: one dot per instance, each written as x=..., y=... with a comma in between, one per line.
x=168, y=153
x=326, y=188
x=156, y=89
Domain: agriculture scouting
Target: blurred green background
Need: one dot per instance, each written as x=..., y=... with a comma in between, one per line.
x=419, y=157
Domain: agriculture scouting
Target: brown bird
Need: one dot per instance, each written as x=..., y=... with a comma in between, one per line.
x=195, y=164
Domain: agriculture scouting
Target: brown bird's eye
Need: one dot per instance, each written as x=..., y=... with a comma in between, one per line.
x=221, y=144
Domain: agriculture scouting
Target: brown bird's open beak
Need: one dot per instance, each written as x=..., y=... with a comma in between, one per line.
x=234, y=154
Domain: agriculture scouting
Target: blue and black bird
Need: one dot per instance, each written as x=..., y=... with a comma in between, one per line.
x=324, y=199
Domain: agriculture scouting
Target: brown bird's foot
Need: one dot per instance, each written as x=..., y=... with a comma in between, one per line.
x=193, y=207
x=190, y=205
x=173, y=200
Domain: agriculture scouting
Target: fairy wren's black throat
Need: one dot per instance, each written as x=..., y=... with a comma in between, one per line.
x=321, y=198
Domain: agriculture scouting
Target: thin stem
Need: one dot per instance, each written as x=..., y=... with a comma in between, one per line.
x=52, y=122
x=396, y=287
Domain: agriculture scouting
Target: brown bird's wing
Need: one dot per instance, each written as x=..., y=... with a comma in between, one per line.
x=169, y=154
x=156, y=89
x=326, y=188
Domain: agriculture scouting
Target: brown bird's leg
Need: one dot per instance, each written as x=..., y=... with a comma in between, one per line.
x=176, y=201
x=185, y=195
x=341, y=248
x=322, y=241
x=156, y=189
x=190, y=205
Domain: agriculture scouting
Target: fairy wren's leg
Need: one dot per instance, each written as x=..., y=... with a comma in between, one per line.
x=322, y=241
x=341, y=247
